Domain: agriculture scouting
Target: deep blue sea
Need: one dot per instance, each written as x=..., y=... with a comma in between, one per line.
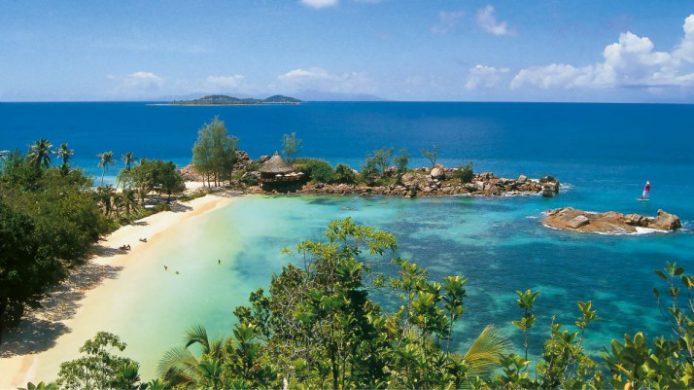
x=602, y=153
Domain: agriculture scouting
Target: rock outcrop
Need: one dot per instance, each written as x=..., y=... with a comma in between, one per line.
x=610, y=222
x=441, y=181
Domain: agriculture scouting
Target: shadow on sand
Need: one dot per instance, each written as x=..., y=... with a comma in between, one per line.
x=40, y=328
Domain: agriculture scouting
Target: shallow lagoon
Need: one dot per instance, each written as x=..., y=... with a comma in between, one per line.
x=499, y=244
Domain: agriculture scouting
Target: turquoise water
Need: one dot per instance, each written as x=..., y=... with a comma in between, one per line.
x=602, y=153
x=499, y=244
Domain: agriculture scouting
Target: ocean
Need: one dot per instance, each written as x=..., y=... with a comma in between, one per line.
x=602, y=154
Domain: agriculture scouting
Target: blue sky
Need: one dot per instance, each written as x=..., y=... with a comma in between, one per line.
x=394, y=49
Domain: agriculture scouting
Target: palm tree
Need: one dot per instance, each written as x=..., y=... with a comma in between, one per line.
x=64, y=153
x=40, y=153
x=179, y=366
x=128, y=160
x=105, y=159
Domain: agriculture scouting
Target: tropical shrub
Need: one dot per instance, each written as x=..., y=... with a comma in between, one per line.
x=465, y=173
x=401, y=160
x=290, y=146
x=431, y=154
x=345, y=174
x=318, y=171
x=100, y=368
x=214, y=152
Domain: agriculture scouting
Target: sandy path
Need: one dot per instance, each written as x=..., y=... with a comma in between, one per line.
x=68, y=309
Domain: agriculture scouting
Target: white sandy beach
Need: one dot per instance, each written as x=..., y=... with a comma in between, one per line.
x=76, y=313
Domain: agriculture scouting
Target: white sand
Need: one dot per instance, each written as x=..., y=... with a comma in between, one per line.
x=17, y=370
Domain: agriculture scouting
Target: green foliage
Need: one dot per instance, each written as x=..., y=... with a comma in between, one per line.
x=526, y=301
x=99, y=368
x=318, y=171
x=41, y=386
x=67, y=220
x=376, y=163
x=290, y=145
x=26, y=268
x=214, y=152
x=431, y=154
x=345, y=174
x=64, y=153
x=105, y=160
x=402, y=160
x=153, y=175
x=128, y=159
x=465, y=173
x=40, y=154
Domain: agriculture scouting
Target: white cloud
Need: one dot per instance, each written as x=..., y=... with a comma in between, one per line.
x=320, y=79
x=447, y=21
x=485, y=76
x=685, y=50
x=486, y=19
x=223, y=83
x=138, y=82
x=318, y=4
x=629, y=62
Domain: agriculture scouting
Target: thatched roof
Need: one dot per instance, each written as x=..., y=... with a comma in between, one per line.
x=276, y=165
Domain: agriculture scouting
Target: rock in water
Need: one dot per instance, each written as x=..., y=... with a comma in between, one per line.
x=609, y=222
x=578, y=221
x=666, y=221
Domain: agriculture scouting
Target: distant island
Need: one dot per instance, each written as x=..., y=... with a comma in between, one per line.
x=224, y=100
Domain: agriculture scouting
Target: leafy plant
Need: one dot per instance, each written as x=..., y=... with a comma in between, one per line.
x=431, y=154
x=318, y=171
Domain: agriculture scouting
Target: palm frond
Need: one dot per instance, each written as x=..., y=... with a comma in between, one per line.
x=198, y=335
x=179, y=363
x=486, y=351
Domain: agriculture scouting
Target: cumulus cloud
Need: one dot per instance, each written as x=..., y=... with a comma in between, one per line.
x=138, y=82
x=486, y=20
x=318, y=4
x=483, y=76
x=685, y=50
x=447, y=21
x=320, y=79
x=632, y=61
x=223, y=83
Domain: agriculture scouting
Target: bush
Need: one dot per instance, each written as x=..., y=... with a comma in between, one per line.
x=465, y=173
x=318, y=171
x=345, y=174
x=249, y=180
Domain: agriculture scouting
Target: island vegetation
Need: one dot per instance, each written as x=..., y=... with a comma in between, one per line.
x=224, y=100
x=383, y=173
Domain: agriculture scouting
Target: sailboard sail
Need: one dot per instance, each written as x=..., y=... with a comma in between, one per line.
x=646, y=190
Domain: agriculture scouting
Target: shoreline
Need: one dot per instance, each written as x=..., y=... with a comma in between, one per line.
x=62, y=322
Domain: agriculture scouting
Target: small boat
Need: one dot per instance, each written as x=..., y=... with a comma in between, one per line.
x=646, y=191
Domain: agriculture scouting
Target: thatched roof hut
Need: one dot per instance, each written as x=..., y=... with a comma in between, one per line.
x=275, y=166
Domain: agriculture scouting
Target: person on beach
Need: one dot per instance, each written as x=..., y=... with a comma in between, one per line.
x=166, y=268
x=219, y=261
